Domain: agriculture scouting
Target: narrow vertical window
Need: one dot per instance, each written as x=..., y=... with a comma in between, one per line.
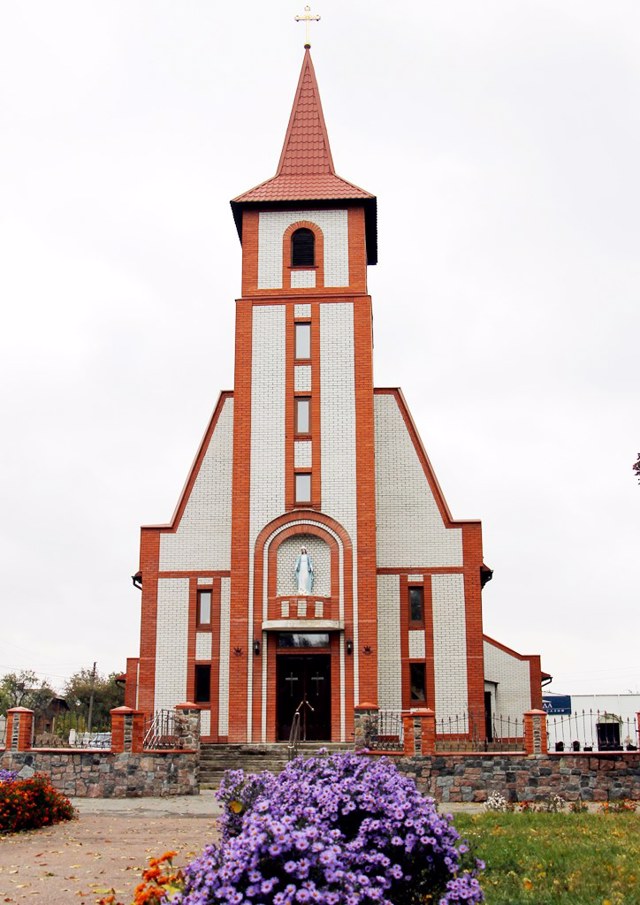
x=303, y=487
x=203, y=614
x=202, y=684
x=303, y=415
x=417, y=682
x=416, y=605
x=303, y=340
x=303, y=248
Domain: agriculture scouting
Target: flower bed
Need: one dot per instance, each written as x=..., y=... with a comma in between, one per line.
x=335, y=830
x=27, y=804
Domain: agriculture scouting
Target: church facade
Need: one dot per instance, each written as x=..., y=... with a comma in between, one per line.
x=312, y=563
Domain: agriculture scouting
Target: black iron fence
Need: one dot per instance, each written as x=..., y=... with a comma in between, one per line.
x=464, y=733
x=591, y=730
x=384, y=731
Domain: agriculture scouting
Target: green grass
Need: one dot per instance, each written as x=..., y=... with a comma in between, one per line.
x=556, y=859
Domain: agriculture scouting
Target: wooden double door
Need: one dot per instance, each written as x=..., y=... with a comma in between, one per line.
x=303, y=685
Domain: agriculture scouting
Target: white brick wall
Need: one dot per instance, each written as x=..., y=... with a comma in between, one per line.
x=267, y=484
x=202, y=540
x=410, y=529
x=303, y=279
x=449, y=645
x=302, y=454
x=171, y=642
x=416, y=644
x=302, y=378
x=338, y=436
x=302, y=310
x=223, y=678
x=203, y=645
x=271, y=228
x=321, y=555
x=513, y=693
x=205, y=722
x=389, y=665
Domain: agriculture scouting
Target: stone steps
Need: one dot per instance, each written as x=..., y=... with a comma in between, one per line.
x=215, y=760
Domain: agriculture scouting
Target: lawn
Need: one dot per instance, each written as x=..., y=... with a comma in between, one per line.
x=556, y=859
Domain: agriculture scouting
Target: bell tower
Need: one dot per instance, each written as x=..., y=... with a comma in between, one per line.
x=303, y=422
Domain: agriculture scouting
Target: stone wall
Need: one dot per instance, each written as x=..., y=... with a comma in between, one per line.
x=104, y=774
x=592, y=777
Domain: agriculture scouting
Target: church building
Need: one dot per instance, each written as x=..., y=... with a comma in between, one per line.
x=312, y=563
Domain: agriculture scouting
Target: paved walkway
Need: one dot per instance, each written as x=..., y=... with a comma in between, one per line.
x=108, y=847
x=105, y=849
x=203, y=805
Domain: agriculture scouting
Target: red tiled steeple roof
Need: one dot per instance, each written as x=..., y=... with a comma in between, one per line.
x=305, y=171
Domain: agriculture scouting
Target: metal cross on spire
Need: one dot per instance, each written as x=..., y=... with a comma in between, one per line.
x=307, y=18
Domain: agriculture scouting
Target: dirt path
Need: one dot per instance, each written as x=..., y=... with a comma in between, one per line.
x=76, y=863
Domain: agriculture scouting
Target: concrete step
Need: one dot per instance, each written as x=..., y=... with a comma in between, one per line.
x=215, y=760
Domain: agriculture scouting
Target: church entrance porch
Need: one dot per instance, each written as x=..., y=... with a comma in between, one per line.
x=303, y=684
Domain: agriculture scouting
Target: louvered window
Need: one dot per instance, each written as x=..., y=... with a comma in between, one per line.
x=303, y=248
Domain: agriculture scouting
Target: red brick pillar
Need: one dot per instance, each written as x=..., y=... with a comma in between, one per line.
x=409, y=734
x=535, y=732
x=127, y=730
x=364, y=723
x=424, y=722
x=19, y=729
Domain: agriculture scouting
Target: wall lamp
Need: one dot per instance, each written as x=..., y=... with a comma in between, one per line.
x=349, y=648
x=237, y=651
x=256, y=648
x=367, y=649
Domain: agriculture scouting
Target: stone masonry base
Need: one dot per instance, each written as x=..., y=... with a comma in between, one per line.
x=590, y=776
x=103, y=774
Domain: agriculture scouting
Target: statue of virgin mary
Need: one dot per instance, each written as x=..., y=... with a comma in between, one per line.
x=304, y=572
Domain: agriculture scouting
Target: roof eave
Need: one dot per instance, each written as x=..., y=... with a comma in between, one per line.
x=370, y=205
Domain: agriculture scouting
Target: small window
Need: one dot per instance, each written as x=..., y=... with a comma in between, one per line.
x=417, y=682
x=204, y=608
x=416, y=604
x=303, y=340
x=303, y=487
x=203, y=684
x=303, y=639
x=303, y=248
x=303, y=415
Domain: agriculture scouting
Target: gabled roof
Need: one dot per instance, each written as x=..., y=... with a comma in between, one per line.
x=305, y=171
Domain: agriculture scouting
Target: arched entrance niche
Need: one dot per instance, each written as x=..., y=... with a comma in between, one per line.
x=303, y=631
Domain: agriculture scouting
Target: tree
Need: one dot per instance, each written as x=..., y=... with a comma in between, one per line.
x=636, y=468
x=106, y=695
x=24, y=689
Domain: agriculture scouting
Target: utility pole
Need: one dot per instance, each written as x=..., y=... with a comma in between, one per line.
x=93, y=683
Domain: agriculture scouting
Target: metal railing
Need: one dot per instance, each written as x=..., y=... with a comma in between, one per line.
x=89, y=739
x=294, y=736
x=385, y=731
x=464, y=733
x=591, y=730
x=161, y=731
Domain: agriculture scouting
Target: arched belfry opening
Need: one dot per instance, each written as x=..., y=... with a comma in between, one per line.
x=303, y=248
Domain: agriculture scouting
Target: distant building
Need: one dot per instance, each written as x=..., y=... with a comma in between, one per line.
x=597, y=721
x=312, y=563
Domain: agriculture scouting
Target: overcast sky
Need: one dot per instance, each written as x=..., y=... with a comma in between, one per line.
x=502, y=139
